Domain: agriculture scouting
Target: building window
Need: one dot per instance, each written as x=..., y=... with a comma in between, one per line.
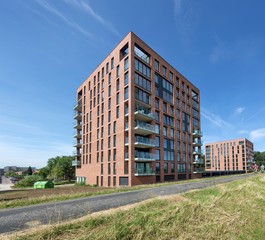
x=157, y=142
x=170, y=76
x=118, y=98
x=126, y=93
x=165, y=167
x=114, y=127
x=164, y=71
x=157, y=154
x=146, y=71
x=157, y=167
x=118, y=71
x=165, y=131
x=126, y=64
x=142, y=82
x=172, y=168
x=142, y=96
x=117, y=112
x=126, y=78
x=118, y=85
x=114, y=141
x=156, y=65
x=107, y=68
x=112, y=63
x=110, y=78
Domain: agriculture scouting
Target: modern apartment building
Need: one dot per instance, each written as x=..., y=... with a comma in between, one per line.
x=137, y=120
x=232, y=155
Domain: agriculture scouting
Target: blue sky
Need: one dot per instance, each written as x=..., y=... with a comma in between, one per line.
x=48, y=48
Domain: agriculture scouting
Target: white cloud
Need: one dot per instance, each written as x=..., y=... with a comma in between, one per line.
x=257, y=135
x=215, y=119
x=240, y=110
x=256, y=114
x=67, y=20
x=88, y=9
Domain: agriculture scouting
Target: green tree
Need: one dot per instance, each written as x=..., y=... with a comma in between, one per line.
x=259, y=158
x=61, y=167
x=29, y=170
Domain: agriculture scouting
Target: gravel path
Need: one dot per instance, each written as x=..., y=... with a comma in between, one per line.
x=24, y=217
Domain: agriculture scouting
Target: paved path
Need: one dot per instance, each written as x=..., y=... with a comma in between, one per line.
x=4, y=187
x=24, y=217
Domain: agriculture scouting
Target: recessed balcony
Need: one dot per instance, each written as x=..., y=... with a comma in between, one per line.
x=142, y=156
x=197, y=133
x=141, y=142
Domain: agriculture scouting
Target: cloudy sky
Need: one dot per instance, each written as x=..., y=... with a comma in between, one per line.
x=48, y=48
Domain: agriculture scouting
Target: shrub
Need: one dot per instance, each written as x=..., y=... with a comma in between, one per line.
x=28, y=181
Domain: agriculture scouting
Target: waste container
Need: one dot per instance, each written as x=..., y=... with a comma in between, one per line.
x=43, y=184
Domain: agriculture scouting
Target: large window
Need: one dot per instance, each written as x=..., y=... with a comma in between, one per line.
x=142, y=82
x=146, y=71
x=142, y=96
x=181, y=168
x=164, y=88
x=168, y=120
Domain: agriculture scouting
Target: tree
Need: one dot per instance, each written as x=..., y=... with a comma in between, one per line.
x=60, y=168
x=259, y=158
x=29, y=170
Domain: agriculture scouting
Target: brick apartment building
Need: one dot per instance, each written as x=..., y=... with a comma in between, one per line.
x=137, y=120
x=232, y=155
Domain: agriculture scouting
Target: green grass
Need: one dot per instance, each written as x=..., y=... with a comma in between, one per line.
x=228, y=211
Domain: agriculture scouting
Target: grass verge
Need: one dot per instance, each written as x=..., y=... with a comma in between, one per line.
x=229, y=211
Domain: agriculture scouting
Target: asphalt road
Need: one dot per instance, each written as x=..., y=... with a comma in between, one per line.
x=16, y=219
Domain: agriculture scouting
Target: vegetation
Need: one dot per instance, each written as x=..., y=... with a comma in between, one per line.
x=28, y=181
x=229, y=211
x=58, y=168
x=259, y=158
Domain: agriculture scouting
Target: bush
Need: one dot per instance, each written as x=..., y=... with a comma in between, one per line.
x=28, y=181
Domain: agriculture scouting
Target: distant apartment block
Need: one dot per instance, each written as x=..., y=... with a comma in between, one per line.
x=137, y=120
x=232, y=155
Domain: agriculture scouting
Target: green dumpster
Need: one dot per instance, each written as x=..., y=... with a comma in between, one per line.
x=43, y=184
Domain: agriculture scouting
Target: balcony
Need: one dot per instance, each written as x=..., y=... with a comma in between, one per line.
x=198, y=170
x=198, y=161
x=76, y=154
x=78, y=135
x=144, y=115
x=144, y=172
x=78, y=106
x=76, y=163
x=78, y=126
x=197, y=142
x=197, y=133
x=141, y=142
x=77, y=144
x=77, y=116
x=144, y=156
x=143, y=128
x=197, y=152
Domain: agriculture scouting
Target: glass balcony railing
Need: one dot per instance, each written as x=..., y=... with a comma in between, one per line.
x=78, y=106
x=198, y=170
x=144, y=126
x=77, y=153
x=144, y=114
x=197, y=133
x=144, y=141
x=144, y=172
x=197, y=142
x=142, y=156
x=76, y=163
x=197, y=152
x=198, y=161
